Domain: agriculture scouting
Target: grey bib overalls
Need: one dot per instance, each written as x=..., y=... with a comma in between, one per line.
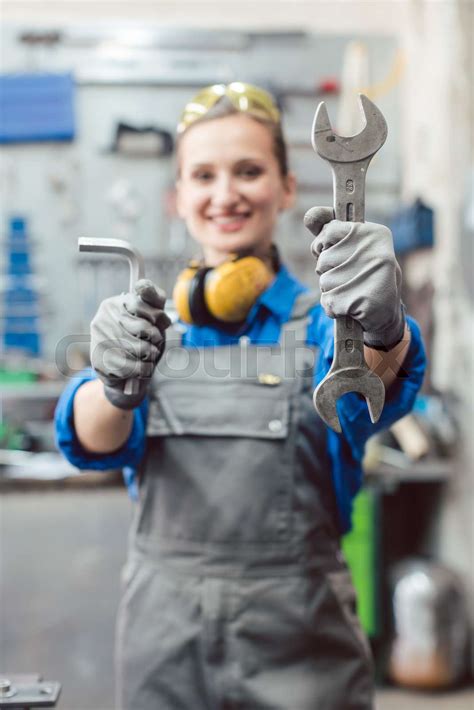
x=235, y=594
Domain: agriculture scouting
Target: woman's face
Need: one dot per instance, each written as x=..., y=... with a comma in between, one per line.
x=230, y=189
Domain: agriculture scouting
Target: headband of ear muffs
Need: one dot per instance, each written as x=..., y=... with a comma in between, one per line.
x=221, y=295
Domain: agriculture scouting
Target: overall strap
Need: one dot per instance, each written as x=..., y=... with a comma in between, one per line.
x=299, y=316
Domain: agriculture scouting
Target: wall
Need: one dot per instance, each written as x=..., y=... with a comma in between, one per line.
x=324, y=16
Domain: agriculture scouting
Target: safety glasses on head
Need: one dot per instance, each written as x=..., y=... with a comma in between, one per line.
x=246, y=98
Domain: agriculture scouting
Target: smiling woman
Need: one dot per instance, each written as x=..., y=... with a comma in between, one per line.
x=235, y=593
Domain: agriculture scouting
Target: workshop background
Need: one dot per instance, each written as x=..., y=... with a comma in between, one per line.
x=89, y=97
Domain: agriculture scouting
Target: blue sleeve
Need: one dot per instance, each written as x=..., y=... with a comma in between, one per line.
x=129, y=455
x=347, y=449
x=400, y=396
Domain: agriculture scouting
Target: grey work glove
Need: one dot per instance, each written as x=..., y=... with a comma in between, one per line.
x=359, y=275
x=127, y=340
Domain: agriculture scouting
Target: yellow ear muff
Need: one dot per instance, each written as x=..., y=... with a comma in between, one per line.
x=232, y=288
x=181, y=293
x=226, y=293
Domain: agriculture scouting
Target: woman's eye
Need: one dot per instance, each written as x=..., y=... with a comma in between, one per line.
x=250, y=171
x=202, y=175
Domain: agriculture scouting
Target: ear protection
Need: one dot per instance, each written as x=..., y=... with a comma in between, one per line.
x=204, y=295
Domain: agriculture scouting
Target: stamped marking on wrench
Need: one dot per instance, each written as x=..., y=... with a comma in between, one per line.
x=137, y=271
x=349, y=158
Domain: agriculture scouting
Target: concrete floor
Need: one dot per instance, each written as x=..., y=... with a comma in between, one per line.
x=391, y=699
x=60, y=559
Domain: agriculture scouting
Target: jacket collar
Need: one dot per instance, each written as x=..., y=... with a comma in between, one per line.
x=279, y=296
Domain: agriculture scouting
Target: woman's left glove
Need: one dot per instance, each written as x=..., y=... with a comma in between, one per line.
x=359, y=275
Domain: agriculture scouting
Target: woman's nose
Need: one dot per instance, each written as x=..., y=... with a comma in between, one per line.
x=225, y=192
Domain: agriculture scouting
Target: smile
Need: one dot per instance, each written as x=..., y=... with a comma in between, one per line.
x=230, y=223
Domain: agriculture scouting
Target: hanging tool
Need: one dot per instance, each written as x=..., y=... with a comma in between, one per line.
x=349, y=158
x=137, y=271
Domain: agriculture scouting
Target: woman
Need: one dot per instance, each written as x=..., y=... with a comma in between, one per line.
x=235, y=593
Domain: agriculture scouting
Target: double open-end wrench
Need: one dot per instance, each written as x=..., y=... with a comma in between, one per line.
x=349, y=158
x=137, y=271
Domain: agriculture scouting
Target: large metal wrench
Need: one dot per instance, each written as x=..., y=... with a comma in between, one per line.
x=137, y=271
x=349, y=158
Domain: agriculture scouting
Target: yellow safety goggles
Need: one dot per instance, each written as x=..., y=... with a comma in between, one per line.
x=246, y=98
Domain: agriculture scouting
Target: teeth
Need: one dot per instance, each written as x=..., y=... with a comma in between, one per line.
x=229, y=219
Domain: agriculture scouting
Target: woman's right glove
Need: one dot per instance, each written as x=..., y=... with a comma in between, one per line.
x=127, y=341
x=359, y=275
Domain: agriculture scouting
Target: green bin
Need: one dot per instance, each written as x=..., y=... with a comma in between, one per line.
x=361, y=551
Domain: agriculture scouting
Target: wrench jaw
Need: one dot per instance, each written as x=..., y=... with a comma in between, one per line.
x=339, y=383
x=375, y=121
x=342, y=149
x=321, y=131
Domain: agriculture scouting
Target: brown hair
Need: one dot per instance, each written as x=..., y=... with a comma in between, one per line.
x=224, y=107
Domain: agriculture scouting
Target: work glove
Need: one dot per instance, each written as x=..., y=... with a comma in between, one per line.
x=359, y=275
x=127, y=341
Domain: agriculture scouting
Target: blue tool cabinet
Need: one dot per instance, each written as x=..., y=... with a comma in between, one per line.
x=21, y=308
